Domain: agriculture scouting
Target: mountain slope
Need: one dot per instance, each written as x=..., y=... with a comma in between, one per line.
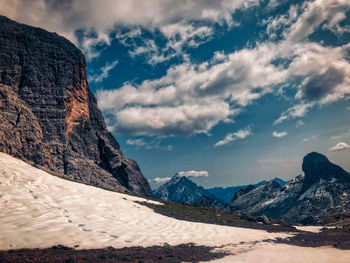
x=182, y=190
x=39, y=210
x=324, y=189
x=227, y=193
x=48, y=115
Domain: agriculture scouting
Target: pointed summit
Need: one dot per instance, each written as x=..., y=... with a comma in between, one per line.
x=316, y=166
x=183, y=190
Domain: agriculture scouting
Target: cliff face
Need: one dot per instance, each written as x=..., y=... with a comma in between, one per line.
x=49, y=116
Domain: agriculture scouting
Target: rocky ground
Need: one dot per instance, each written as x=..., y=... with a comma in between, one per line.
x=180, y=253
x=333, y=237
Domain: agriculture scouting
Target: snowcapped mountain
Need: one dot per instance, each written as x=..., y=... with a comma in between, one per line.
x=183, y=190
x=323, y=189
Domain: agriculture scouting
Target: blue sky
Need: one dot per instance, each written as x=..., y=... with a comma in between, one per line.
x=238, y=91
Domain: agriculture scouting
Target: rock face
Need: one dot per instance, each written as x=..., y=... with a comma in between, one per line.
x=316, y=167
x=324, y=189
x=182, y=190
x=49, y=116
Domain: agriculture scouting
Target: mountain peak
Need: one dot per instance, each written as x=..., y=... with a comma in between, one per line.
x=316, y=166
x=181, y=189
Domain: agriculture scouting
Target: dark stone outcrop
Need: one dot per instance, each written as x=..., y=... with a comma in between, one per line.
x=316, y=167
x=324, y=189
x=49, y=116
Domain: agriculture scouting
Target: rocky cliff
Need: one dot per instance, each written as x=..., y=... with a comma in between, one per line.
x=49, y=116
x=322, y=190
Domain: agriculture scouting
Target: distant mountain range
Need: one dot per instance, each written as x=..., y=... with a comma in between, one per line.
x=183, y=190
x=322, y=190
x=227, y=193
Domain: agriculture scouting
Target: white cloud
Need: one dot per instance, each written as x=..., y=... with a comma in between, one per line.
x=279, y=134
x=141, y=143
x=234, y=81
x=193, y=173
x=104, y=72
x=178, y=35
x=239, y=135
x=161, y=180
x=192, y=98
x=230, y=82
x=309, y=138
x=99, y=20
x=294, y=112
x=177, y=120
x=136, y=142
x=302, y=20
x=339, y=147
x=330, y=12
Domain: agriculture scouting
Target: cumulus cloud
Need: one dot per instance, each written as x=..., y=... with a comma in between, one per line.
x=161, y=180
x=302, y=20
x=219, y=88
x=97, y=21
x=317, y=87
x=192, y=98
x=166, y=120
x=330, y=12
x=194, y=174
x=239, y=135
x=339, y=147
x=232, y=81
x=279, y=134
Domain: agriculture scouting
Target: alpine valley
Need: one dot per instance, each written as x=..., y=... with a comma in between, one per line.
x=184, y=89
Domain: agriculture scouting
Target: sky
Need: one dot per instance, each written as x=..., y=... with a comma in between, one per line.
x=227, y=92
